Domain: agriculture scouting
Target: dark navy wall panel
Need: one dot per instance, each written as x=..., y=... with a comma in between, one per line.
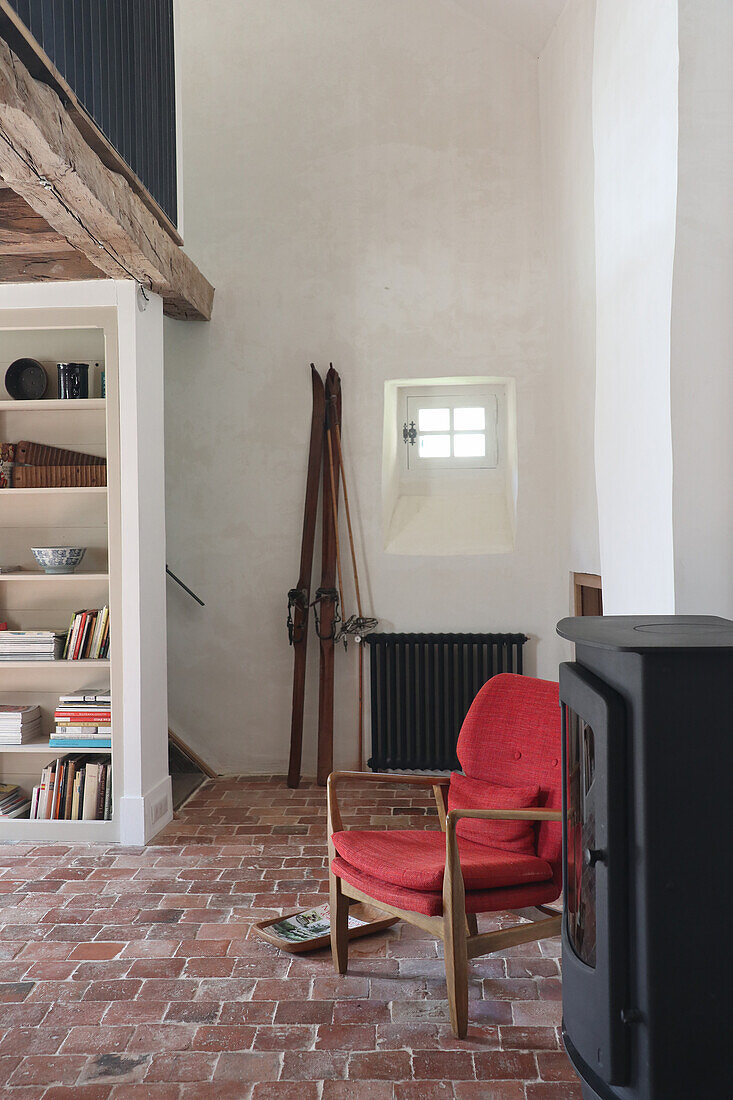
x=117, y=56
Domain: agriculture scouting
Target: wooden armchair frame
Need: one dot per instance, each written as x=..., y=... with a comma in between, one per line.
x=455, y=927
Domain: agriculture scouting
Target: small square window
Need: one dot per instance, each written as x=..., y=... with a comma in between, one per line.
x=450, y=429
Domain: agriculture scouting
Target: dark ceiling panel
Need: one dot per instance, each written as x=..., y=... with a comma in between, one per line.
x=117, y=57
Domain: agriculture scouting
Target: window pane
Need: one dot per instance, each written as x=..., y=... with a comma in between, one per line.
x=433, y=420
x=434, y=446
x=469, y=420
x=469, y=446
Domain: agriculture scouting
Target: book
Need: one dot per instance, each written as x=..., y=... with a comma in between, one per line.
x=69, y=632
x=91, y=787
x=74, y=656
x=101, y=786
x=108, y=795
x=69, y=792
x=19, y=723
x=77, y=796
x=85, y=638
x=77, y=786
x=30, y=645
x=80, y=697
x=47, y=778
x=57, y=789
x=79, y=743
x=13, y=802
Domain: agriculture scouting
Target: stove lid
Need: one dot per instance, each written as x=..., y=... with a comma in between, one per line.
x=645, y=633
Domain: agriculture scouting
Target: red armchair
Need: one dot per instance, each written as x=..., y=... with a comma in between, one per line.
x=500, y=848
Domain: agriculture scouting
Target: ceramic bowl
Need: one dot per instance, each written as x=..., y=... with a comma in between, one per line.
x=58, y=559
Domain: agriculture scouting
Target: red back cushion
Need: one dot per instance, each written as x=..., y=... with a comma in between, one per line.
x=477, y=794
x=511, y=736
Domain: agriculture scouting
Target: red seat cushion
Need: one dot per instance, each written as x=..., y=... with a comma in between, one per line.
x=430, y=902
x=415, y=860
x=477, y=794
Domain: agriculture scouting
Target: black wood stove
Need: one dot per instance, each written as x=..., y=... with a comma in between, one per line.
x=648, y=847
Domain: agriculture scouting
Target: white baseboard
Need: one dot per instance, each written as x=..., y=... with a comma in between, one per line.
x=142, y=817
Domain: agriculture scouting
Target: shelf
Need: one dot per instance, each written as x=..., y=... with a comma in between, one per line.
x=67, y=507
x=33, y=575
x=56, y=490
x=60, y=664
x=53, y=405
x=49, y=750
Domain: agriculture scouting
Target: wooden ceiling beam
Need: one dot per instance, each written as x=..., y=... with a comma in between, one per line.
x=46, y=161
x=23, y=231
x=31, y=251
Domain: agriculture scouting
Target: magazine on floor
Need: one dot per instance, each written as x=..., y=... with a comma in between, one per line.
x=309, y=925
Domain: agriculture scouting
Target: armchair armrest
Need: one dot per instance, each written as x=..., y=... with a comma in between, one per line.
x=503, y=815
x=335, y=824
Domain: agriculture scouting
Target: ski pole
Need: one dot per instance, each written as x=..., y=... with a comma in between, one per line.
x=358, y=598
x=337, y=433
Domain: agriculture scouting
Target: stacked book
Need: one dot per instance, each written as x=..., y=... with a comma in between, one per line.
x=87, y=638
x=75, y=788
x=13, y=803
x=30, y=645
x=83, y=722
x=19, y=724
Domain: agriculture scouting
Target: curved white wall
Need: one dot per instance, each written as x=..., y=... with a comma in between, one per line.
x=635, y=136
x=702, y=313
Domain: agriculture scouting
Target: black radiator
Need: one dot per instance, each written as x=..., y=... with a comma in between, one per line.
x=421, y=688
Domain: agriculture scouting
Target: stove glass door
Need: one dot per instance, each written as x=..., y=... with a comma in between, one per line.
x=581, y=837
x=595, y=963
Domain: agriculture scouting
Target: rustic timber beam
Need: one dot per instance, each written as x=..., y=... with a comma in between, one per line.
x=46, y=161
x=31, y=251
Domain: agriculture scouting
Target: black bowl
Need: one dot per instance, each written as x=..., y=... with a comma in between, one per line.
x=26, y=380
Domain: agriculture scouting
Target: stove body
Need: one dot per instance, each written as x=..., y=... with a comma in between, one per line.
x=648, y=856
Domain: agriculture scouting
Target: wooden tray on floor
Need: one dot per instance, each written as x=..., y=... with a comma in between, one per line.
x=376, y=921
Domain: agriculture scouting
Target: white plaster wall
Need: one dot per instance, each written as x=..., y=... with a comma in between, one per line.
x=362, y=184
x=702, y=313
x=566, y=75
x=635, y=138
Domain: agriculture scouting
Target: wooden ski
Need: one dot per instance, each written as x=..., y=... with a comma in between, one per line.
x=327, y=594
x=299, y=597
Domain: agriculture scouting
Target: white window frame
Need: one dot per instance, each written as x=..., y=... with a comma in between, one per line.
x=491, y=397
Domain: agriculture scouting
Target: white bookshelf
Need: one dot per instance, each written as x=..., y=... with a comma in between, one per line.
x=33, y=600
x=124, y=563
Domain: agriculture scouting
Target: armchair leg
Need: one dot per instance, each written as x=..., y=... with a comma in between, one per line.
x=339, y=924
x=472, y=924
x=456, y=973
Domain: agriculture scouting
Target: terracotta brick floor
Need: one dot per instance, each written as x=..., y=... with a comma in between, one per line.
x=132, y=972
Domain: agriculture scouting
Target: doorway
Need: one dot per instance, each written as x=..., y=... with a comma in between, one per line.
x=587, y=594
